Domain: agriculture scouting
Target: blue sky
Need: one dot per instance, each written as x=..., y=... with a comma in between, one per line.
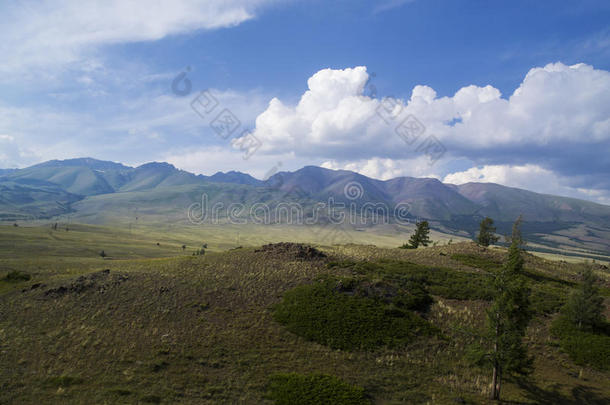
x=309, y=81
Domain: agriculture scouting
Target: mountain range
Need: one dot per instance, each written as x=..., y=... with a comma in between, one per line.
x=91, y=190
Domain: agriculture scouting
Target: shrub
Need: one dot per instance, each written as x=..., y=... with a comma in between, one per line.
x=446, y=283
x=547, y=294
x=322, y=313
x=585, y=306
x=17, y=276
x=477, y=261
x=590, y=348
x=151, y=399
x=64, y=381
x=547, y=298
x=314, y=389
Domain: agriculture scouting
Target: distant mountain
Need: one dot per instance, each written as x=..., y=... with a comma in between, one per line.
x=6, y=171
x=82, y=162
x=25, y=199
x=235, y=178
x=428, y=198
x=84, y=176
x=156, y=175
x=96, y=191
x=503, y=202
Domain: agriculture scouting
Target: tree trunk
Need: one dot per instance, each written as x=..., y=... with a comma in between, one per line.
x=495, y=392
x=499, y=383
x=494, y=381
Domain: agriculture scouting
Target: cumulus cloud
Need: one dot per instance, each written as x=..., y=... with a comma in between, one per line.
x=332, y=118
x=529, y=177
x=385, y=169
x=44, y=34
x=557, y=119
x=210, y=160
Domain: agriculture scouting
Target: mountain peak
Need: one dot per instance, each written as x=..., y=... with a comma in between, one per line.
x=157, y=165
x=234, y=177
x=89, y=162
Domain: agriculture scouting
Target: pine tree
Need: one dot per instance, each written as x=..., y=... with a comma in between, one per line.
x=419, y=237
x=585, y=306
x=487, y=232
x=509, y=316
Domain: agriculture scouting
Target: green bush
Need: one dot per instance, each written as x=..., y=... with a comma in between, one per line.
x=314, y=389
x=64, y=381
x=151, y=399
x=547, y=298
x=548, y=293
x=590, y=348
x=17, y=276
x=477, y=261
x=405, y=294
x=324, y=314
x=446, y=283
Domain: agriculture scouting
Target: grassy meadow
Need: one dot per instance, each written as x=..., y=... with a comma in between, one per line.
x=164, y=326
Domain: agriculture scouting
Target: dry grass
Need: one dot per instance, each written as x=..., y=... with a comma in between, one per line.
x=200, y=330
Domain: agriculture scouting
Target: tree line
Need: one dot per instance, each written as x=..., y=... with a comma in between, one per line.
x=510, y=311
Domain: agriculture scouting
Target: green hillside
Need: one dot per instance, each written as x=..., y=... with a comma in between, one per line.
x=99, y=192
x=151, y=323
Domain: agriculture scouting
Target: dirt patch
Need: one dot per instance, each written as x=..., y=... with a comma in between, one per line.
x=293, y=250
x=99, y=281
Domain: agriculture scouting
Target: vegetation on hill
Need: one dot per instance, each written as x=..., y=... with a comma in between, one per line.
x=97, y=192
x=144, y=327
x=508, y=317
x=421, y=236
x=487, y=231
x=350, y=315
x=314, y=389
x=582, y=330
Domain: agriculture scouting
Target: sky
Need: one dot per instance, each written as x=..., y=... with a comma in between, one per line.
x=516, y=93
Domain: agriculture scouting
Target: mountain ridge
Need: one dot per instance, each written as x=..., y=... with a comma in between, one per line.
x=91, y=190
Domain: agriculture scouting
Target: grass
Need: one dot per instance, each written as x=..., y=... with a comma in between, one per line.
x=444, y=282
x=477, y=261
x=314, y=389
x=17, y=276
x=585, y=347
x=323, y=314
x=191, y=329
x=64, y=381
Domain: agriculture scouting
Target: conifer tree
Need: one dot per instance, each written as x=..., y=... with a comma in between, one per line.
x=419, y=237
x=487, y=232
x=509, y=316
x=585, y=306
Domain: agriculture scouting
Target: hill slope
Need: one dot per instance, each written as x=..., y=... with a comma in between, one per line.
x=107, y=190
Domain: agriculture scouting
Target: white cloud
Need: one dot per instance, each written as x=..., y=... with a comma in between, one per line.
x=209, y=160
x=558, y=119
x=54, y=33
x=128, y=130
x=385, y=169
x=553, y=104
x=530, y=177
x=332, y=117
x=11, y=154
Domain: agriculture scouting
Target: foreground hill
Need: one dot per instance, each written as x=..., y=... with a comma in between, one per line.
x=195, y=329
x=94, y=191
